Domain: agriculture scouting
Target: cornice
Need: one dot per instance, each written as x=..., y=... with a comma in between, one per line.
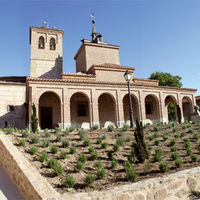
x=102, y=83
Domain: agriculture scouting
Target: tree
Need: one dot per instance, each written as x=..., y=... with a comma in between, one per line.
x=167, y=79
x=34, y=120
x=140, y=147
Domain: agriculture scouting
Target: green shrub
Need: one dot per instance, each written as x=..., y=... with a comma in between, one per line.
x=91, y=149
x=54, y=149
x=127, y=139
x=114, y=163
x=94, y=155
x=151, y=138
x=95, y=127
x=63, y=154
x=158, y=154
x=172, y=142
x=155, y=128
x=24, y=134
x=57, y=130
x=21, y=143
x=43, y=157
x=115, y=147
x=34, y=139
x=110, y=154
x=155, y=135
x=194, y=157
x=184, y=126
x=47, y=135
x=120, y=142
x=34, y=119
x=190, y=130
x=120, y=134
x=71, y=128
x=86, y=142
x=66, y=132
x=58, y=138
x=98, y=164
x=69, y=182
x=131, y=175
x=45, y=143
x=195, y=136
x=165, y=137
x=110, y=128
x=175, y=156
x=189, y=151
x=79, y=166
x=65, y=143
x=187, y=145
x=173, y=148
x=183, y=134
x=157, y=142
x=178, y=162
x=33, y=150
x=52, y=162
x=174, y=130
x=89, y=180
x=101, y=173
x=82, y=158
x=58, y=168
x=127, y=164
x=99, y=140
x=72, y=150
x=186, y=140
x=125, y=127
x=104, y=145
x=82, y=133
x=176, y=135
x=163, y=166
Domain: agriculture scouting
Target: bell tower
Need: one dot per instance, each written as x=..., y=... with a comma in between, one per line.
x=46, y=52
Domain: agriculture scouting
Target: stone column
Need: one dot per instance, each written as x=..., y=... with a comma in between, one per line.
x=119, y=109
x=142, y=111
x=66, y=109
x=179, y=102
x=94, y=109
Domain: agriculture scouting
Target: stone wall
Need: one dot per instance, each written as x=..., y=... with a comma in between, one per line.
x=29, y=182
x=12, y=104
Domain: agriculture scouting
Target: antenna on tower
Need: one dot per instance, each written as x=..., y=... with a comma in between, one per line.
x=46, y=22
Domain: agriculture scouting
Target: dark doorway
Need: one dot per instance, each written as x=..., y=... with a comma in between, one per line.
x=46, y=117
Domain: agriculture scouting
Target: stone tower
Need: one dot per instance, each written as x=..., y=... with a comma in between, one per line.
x=95, y=51
x=46, y=52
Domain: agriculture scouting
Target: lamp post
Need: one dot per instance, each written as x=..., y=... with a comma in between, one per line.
x=127, y=77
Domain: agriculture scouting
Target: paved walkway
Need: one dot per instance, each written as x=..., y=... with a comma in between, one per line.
x=8, y=190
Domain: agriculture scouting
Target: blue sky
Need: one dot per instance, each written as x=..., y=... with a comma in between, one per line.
x=153, y=35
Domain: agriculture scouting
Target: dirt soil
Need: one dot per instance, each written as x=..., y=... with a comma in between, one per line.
x=117, y=176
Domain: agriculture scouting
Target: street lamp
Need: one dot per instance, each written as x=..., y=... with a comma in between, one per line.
x=127, y=77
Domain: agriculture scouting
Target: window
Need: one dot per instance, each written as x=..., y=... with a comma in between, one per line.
x=82, y=109
x=41, y=43
x=52, y=44
x=10, y=108
x=148, y=108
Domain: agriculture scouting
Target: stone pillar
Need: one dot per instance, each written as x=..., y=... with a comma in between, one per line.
x=164, y=116
x=179, y=102
x=119, y=109
x=66, y=109
x=142, y=111
x=94, y=109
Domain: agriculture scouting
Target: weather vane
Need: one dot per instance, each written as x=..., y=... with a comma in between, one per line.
x=46, y=22
x=93, y=17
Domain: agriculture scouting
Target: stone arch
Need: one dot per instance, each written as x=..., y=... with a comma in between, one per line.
x=152, y=108
x=107, y=109
x=171, y=108
x=49, y=110
x=41, y=43
x=126, y=107
x=80, y=110
x=187, y=107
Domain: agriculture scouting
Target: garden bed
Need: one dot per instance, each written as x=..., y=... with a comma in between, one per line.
x=177, y=148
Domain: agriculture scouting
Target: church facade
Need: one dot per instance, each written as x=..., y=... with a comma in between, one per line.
x=96, y=94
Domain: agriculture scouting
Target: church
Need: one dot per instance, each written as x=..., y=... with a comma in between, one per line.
x=97, y=94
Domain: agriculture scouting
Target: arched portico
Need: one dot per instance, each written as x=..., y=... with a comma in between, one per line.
x=49, y=110
x=126, y=108
x=187, y=107
x=80, y=109
x=152, y=109
x=171, y=108
x=107, y=109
